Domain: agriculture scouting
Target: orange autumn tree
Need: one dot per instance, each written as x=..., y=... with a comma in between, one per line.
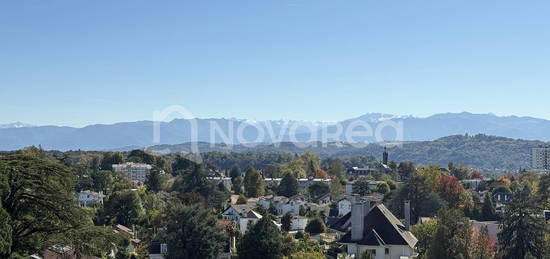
x=483, y=246
x=451, y=191
x=321, y=174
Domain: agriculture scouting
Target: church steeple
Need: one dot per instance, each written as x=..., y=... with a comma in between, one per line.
x=385, y=156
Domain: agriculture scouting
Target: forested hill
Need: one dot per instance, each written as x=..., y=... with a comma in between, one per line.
x=479, y=151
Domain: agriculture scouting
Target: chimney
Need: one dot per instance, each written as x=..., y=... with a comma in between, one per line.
x=407, y=215
x=359, y=209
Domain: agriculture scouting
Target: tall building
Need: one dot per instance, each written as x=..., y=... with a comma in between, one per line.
x=540, y=159
x=134, y=171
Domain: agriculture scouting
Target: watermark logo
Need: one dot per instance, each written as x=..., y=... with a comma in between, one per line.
x=357, y=133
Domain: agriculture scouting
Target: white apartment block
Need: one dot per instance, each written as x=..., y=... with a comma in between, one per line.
x=134, y=171
x=540, y=159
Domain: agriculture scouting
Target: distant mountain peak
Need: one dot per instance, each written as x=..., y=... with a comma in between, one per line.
x=17, y=124
x=378, y=117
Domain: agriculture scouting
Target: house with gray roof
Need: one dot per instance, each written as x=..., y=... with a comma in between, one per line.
x=377, y=230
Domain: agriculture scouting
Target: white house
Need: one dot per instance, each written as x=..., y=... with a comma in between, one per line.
x=242, y=215
x=86, y=197
x=283, y=204
x=235, y=212
x=376, y=229
x=293, y=205
x=249, y=218
x=298, y=223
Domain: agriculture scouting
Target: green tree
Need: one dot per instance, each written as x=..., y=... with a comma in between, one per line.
x=432, y=174
x=194, y=180
x=235, y=172
x=362, y=186
x=272, y=171
x=155, y=180
x=544, y=190
x=140, y=156
x=122, y=207
x=103, y=181
x=453, y=236
x=318, y=189
x=460, y=172
x=488, y=212
x=382, y=188
x=37, y=205
x=522, y=226
x=286, y=222
x=253, y=183
x=312, y=161
x=110, y=158
x=315, y=226
x=193, y=232
x=288, y=186
x=424, y=233
x=406, y=170
x=5, y=232
x=336, y=186
x=424, y=202
x=262, y=240
x=307, y=255
x=336, y=169
x=182, y=164
x=237, y=184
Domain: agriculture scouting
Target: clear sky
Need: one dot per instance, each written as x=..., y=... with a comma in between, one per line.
x=79, y=62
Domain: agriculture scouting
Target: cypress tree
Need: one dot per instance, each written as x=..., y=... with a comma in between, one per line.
x=288, y=186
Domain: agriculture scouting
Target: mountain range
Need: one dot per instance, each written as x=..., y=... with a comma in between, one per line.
x=140, y=134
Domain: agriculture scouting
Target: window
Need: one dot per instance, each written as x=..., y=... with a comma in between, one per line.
x=387, y=250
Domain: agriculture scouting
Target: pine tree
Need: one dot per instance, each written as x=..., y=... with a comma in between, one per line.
x=193, y=232
x=523, y=227
x=286, y=222
x=488, y=210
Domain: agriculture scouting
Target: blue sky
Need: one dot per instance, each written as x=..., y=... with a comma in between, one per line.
x=81, y=62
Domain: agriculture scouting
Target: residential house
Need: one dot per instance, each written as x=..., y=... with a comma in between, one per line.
x=376, y=229
x=86, y=198
x=235, y=211
x=298, y=223
x=283, y=204
x=472, y=183
x=242, y=215
x=293, y=205
x=325, y=199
